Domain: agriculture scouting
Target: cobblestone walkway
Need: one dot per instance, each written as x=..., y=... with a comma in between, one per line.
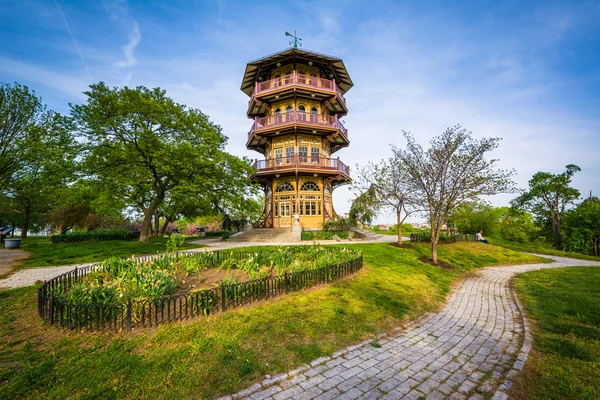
x=469, y=350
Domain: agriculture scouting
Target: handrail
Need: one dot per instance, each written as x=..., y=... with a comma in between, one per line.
x=295, y=161
x=297, y=117
x=298, y=79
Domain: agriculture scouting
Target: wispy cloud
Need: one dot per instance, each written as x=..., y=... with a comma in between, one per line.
x=120, y=13
x=74, y=41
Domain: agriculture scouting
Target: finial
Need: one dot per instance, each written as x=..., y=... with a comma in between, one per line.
x=296, y=42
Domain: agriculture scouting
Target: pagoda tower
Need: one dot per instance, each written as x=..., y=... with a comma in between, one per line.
x=296, y=102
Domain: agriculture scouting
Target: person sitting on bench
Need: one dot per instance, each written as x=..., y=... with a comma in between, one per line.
x=480, y=237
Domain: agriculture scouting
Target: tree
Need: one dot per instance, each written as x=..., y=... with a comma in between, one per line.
x=452, y=172
x=144, y=145
x=548, y=197
x=21, y=111
x=517, y=225
x=582, y=227
x=387, y=186
x=472, y=217
x=364, y=207
x=46, y=165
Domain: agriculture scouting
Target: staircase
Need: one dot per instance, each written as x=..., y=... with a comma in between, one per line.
x=264, y=235
x=366, y=234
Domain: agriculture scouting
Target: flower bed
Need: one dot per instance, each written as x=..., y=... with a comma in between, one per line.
x=127, y=293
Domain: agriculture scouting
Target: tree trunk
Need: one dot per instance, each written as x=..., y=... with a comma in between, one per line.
x=156, y=224
x=556, y=232
x=146, y=226
x=595, y=241
x=434, y=251
x=164, y=227
x=399, y=227
x=25, y=225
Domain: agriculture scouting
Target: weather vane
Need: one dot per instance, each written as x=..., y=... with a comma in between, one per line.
x=296, y=42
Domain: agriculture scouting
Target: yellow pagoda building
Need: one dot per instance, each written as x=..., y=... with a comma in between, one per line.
x=296, y=102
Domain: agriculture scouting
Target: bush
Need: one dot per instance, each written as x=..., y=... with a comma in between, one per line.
x=323, y=235
x=93, y=236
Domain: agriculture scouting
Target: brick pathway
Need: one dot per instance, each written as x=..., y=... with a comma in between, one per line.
x=469, y=350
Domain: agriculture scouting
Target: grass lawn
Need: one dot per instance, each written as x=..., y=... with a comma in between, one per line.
x=225, y=353
x=564, y=305
x=534, y=248
x=44, y=253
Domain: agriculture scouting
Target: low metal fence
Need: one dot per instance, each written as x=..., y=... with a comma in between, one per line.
x=147, y=313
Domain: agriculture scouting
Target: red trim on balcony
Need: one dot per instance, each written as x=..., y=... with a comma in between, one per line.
x=308, y=162
x=297, y=117
x=297, y=79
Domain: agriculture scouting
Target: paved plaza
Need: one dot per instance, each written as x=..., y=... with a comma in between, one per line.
x=469, y=350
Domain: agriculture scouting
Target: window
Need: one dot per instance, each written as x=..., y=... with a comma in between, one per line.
x=277, y=79
x=314, y=112
x=284, y=187
x=277, y=118
x=310, y=208
x=289, y=153
x=302, y=112
x=310, y=187
x=314, y=155
x=289, y=113
x=278, y=156
x=303, y=153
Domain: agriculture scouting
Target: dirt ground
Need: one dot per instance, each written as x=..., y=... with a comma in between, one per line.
x=10, y=258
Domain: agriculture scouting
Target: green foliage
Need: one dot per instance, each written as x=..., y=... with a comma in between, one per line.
x=143, y=145
x=323, y=235
x=517, y=225
x=548, y=198
x=175, y=242
x=338, y=224
x=582, y=227
x=472, y=217
x=563, y=303
x=93, y=236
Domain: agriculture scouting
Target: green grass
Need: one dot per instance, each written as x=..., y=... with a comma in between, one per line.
x=564, y=305
x=225, y=353
x=44, y=253
x=539, y=249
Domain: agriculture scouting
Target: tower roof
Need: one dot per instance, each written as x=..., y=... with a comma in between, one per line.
x=333, y=64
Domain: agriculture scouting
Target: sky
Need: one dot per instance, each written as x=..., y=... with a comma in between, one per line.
x=525, y=71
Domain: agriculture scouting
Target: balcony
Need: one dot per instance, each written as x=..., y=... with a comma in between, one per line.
x=300, y=80
x=297, y=117
x=302, y=162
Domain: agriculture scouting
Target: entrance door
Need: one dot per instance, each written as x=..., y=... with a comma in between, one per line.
x=285, y=220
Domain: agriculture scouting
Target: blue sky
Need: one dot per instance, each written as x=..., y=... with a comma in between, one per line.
x=528, y=72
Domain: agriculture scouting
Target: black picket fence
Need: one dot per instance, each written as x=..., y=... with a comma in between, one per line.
x=147, y=313
x=426, y=237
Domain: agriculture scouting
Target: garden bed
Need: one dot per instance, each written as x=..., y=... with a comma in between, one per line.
x=121, y=294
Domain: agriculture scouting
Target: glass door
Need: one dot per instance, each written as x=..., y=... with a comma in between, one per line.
x=285, y=220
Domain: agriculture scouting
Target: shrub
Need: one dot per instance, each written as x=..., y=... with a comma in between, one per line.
x=324, y=235
x=93, y=236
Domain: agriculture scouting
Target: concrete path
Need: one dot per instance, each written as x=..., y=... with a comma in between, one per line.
x=29, y=276
x=469, y=350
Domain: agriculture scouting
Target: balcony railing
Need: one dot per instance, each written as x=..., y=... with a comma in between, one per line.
x=297, y=117
x=302, y=161
x=298, y=79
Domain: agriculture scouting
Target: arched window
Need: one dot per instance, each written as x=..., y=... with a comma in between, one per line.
x=314, y=111
x=278, y=119
x=310, y=187
x=289, y=113
x=284, y=187
x=302, y=112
